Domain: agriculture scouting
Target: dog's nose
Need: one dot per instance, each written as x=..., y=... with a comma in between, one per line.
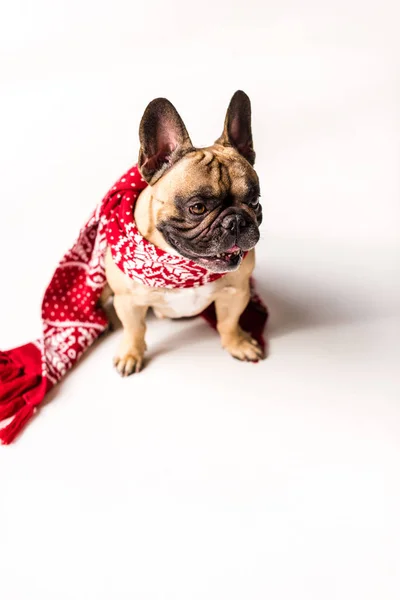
x=233, y=222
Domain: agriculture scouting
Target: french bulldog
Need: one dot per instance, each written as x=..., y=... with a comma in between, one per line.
x=200, y=203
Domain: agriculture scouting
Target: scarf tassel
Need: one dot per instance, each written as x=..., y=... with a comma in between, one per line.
x=19, y=393
x=14, y=428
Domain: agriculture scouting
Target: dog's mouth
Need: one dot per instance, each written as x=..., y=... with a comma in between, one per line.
x=223, y=261
x=229, y=260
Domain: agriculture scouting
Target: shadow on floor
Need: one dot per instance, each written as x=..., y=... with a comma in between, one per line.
x=291, y=308
x=301, y=307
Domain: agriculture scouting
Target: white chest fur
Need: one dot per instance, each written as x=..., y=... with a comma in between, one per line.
x=189, y=301
x=175, y=303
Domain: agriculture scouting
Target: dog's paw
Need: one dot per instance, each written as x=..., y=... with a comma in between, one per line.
x=129, y=362
x=243, y=347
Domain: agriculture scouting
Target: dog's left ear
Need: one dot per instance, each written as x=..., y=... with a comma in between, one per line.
x=237, y=128
x=163, y=139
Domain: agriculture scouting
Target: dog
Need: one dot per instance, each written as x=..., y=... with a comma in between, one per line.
x=202, y=204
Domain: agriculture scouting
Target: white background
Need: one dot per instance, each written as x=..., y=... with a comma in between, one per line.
x=203, y=478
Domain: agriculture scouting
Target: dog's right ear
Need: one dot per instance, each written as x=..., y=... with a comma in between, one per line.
x=163, y=139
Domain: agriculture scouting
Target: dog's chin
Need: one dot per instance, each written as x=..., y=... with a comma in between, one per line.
x=230, y=260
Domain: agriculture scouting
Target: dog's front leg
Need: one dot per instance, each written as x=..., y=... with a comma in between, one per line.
x=129, y=358
x=229, y=305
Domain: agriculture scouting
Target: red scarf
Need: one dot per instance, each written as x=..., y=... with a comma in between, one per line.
x=71, y=315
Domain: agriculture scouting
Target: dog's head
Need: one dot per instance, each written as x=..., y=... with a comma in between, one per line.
x=207, y=199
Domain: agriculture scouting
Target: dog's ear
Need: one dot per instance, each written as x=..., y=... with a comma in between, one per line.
x=237, y=128
x=163, y=139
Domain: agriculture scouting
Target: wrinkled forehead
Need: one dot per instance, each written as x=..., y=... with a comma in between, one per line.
x=208, y=172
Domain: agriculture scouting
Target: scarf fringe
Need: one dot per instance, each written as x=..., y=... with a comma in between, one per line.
x=19, y=394
x=22, y=417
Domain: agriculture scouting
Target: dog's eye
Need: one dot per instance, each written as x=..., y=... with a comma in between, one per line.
x=254, y=202
x=198, y=209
